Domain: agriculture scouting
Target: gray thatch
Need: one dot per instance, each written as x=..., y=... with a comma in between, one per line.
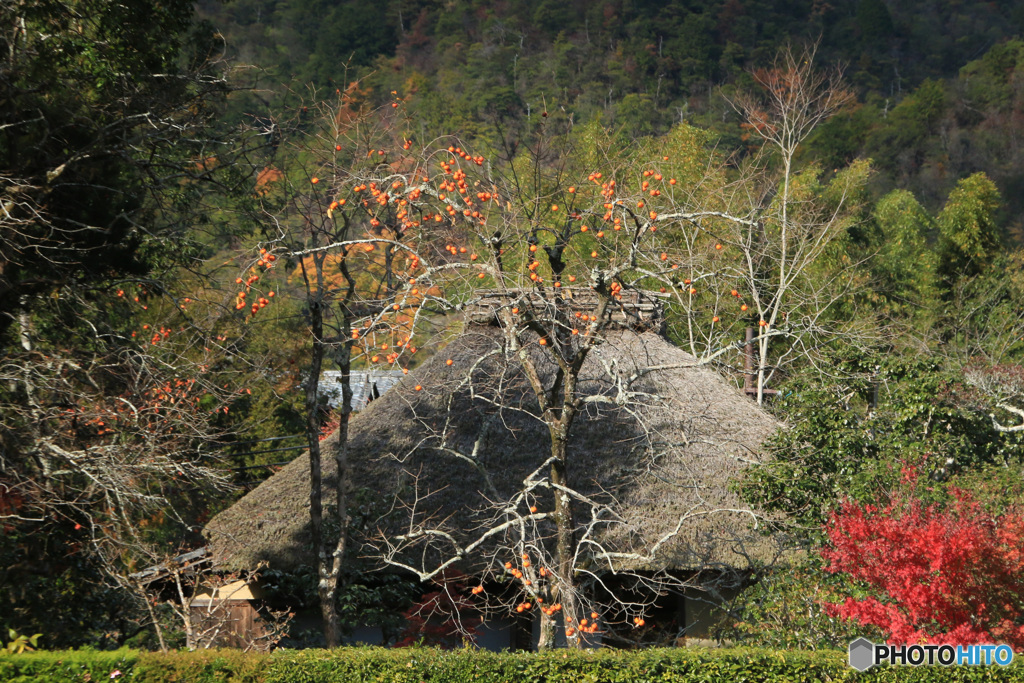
x=667, y=453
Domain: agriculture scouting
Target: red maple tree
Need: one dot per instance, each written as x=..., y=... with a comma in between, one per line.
x=949, y=574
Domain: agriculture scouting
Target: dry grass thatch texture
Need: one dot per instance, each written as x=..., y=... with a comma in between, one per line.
x=663, y=454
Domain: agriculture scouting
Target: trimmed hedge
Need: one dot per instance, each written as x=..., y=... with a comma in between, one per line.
x=421, y=665
x=66, y=665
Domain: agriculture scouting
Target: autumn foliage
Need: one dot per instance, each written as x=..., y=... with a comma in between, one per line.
x=942, y=574
x=444, y=617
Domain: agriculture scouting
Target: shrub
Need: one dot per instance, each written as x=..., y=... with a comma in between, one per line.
x=60, y=666
x=428, y=665
x=942, y=575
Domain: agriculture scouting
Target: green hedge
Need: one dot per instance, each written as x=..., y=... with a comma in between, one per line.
x=415, y=665
x=75, y=665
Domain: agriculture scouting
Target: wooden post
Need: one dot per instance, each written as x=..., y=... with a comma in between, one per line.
x=873, y=400
x=749, y=381
x=750, y=368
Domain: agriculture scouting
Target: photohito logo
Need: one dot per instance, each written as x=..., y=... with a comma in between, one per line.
x=864, y=654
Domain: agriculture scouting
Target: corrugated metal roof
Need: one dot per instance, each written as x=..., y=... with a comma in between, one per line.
x=366, y=386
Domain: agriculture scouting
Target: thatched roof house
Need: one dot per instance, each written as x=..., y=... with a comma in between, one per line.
x=659, y=450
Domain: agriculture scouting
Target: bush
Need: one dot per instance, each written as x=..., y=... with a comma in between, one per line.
x=201, y=666
x=950, y=574
x=67, y=665
x=787, y=609
x=426, y=665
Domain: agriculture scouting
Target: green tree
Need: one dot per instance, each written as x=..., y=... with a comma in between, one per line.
x=969, y=235
x=989, y=81
x=981, y=318
x=852, y=440
x=874, y=20
x=980, y=280
x=785, y=610
x=637, y=115
x=899, y=143
x=903, y=265
x=110, y=365
x=101, y=106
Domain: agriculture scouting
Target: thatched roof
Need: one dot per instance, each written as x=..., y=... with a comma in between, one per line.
x=633, y=309
x=667, y=455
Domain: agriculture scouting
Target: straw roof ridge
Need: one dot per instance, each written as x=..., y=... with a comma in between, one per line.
x=458, y=450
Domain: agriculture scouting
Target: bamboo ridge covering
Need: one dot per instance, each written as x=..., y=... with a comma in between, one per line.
x=461, y=447
x=634, y=309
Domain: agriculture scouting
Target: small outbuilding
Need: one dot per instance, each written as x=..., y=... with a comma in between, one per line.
x=228, y=616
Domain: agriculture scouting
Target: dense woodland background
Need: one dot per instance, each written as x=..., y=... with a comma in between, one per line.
x=134, y=146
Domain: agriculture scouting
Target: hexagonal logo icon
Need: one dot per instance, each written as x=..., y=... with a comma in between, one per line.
x=862, y=653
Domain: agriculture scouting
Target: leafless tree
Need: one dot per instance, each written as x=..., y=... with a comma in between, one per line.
x=215, y=608
x=120, y=437
x=793, y=266
x=1003, y=386
x=206, y=604
x=113, y=335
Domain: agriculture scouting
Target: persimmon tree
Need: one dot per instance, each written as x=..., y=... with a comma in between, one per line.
x=117, y=436
x=559, y=257
x=940, y=574
x=565, y=234
x=345, y=224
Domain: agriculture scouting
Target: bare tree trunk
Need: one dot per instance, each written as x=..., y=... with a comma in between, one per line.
x=186, y=612
x=548, y=631
x=565, y=540
x=25, y=325
x=748, y=362
x=344, y=361
x=325, y=586
x=762, y=364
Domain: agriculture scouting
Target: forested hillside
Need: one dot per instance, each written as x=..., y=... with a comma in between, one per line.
x=937, y=84
x=204, y=207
